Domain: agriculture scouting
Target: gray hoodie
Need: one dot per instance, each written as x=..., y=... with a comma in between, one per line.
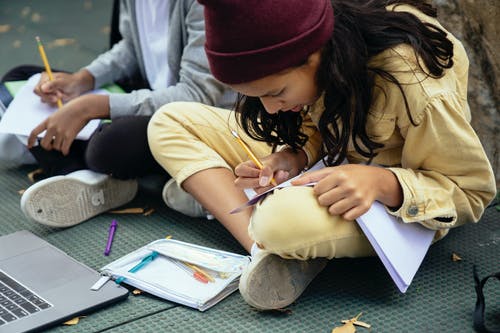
x=186, y=59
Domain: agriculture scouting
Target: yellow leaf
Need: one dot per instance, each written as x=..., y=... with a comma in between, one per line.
x=347, y=328
x=136, y=210
x=73, y=321
x=137, y=292
x=34, y=173
x=455, y=257
x=4, y=28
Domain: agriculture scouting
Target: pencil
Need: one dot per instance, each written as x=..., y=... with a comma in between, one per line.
x=47, y=66
x=199, y=270
x=251, y=154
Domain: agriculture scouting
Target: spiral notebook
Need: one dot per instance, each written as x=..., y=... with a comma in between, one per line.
x=170, y=269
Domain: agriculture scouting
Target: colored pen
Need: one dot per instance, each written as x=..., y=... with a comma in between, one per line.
x=198, y=276
x=111, y=235
x=146, y=260
x=250, y=154
x=47, y=66
x=199, y=270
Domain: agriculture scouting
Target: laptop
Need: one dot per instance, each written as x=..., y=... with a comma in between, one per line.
x=41, y=285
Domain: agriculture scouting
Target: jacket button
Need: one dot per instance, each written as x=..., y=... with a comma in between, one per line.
x=412, y=210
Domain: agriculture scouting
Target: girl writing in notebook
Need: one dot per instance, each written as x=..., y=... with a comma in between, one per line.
x=380, y=84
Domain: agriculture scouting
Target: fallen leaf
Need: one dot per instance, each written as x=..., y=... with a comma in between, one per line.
x=61, y=42
x=25, y=11
x=168, y=237
x=136, y=292
x=21, y=192
x=34, y=173
x=149, y=212
x=358, y=323
x=347, y=328
x=136, y=210
x=350, y=325
x=455, y=257
x=35, y=17
x=4, y=28
x=73, y=321
x=106, y=30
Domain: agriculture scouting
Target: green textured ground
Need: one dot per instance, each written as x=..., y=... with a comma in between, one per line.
x=441, y=298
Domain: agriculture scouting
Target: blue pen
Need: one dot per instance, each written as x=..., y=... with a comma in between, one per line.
x=146, y=260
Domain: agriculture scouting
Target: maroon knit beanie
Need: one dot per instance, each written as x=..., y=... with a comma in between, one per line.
x=249, y=39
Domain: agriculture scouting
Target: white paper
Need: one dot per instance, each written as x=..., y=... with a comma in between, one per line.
x=27, y=111
x=400, y=246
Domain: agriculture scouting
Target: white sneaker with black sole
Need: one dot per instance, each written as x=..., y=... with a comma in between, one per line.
x=63, y=201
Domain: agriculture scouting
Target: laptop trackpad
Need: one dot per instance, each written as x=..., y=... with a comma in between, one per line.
x=44, y=268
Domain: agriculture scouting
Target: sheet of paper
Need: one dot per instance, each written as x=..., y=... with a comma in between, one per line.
x=400, y=246
x=27, y=111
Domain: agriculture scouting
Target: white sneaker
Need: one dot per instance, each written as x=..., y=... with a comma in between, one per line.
x=178, y=199
x=63, y=201
x=271, y=282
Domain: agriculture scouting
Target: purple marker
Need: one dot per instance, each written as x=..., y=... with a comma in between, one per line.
x=111, y=234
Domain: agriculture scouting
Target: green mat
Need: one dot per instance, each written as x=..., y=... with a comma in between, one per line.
x=440, y=299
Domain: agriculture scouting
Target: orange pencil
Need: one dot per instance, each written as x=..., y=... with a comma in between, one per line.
x=250, y=154
x=47, y=66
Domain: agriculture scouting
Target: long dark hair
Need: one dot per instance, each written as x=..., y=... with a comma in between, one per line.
x=363, y=29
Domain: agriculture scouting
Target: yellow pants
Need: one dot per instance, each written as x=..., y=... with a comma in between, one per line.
x=186, y=138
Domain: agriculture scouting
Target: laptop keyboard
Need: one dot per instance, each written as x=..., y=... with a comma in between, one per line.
x=16, y=301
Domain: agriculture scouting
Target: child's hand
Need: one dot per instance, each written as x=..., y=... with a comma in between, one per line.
x=63, y=125
x=279, y=166
x=65, y=86
x=349, y=190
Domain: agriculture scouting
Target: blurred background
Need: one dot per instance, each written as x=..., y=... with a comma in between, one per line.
x=75, y=31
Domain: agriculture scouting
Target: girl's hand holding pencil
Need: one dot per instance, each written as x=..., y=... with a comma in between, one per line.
x=279, y=166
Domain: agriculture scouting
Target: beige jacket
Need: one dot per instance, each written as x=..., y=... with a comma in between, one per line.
x=440, y=163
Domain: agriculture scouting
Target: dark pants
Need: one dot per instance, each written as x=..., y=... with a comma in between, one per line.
x=118, y=148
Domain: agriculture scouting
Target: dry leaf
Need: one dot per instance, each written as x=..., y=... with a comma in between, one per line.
x=358, y=323
x=21, y=192
x=25, y=11
x=73, y=321
x=347, y=328
x=35, y=17
x=149, y=212
x=34, y=173
x=106, y=30
x=4, y=28
x=350, y=325
x=136, y=210
x=168, y=236
x=136, y=292
x=61, y=42
x=87, y=5
x=455, y=257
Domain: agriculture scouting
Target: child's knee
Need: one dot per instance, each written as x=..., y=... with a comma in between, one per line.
x=291, y=223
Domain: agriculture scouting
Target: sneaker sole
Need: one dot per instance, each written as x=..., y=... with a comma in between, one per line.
x=63, y=202
x=267, y=289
